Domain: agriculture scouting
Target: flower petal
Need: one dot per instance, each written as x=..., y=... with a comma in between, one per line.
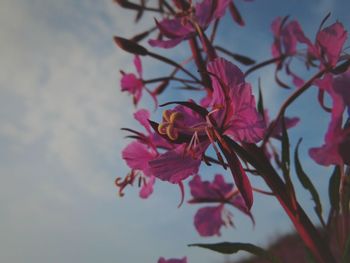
x=331, y=40
x=137, y=156
x=147, y=188
x=208, y=220
x=174, y=165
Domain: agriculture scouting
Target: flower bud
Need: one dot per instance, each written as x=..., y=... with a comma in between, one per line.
x=130, y=46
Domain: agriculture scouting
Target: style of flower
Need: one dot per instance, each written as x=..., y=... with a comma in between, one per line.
x=183, y=27
x=336, y=149
x=172, y=260
x=134, y=84
x=209, y=220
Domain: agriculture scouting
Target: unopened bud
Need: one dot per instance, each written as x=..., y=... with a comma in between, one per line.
x=130, y=46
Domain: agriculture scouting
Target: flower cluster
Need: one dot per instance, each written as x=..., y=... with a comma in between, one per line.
x=226, y=126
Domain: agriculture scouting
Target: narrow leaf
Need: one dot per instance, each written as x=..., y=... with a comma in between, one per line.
x=324, y=20
x=333, y=189
x=130, y=46
x=191, y=105
x=260, y=105
x=341, y=68
x=285, y=150
x=306, y=182
x=238, y=57
x=236, y=14
x=232, y=248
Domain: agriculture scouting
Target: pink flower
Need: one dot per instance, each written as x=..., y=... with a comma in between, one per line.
x=181, y=28
x=139, y=153
x=184, y=159
x=287, y=37
x=234, y=102
x=329, y=44
x=234, y=113
x=172, y=260
x=133, y=84
x=209, y=220
x=336, y=149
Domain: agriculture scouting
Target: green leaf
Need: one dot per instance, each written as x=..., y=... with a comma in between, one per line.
x=346, y=253
x=285, y=152
x=333, y=189
x=260, y=105
x=232, y=248
x=306, y=182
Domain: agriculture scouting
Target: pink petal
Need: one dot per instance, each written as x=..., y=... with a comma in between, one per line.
x=332, y=151
x=165, y=43
x=142, y=116
x=238, y=202
x=331, y=40
x=137, y=156
x=242, y=120
x=138, y=65
x=292, y=34
x=245, y=123
x=289, y=122
x=209, y=10
x=174, y=28
x=174, y=165
x=327, y=154
x=147, y=188
x=208, y=221
x=217, y=190
x=172, y=260
x=132, y=85
x=342, y=86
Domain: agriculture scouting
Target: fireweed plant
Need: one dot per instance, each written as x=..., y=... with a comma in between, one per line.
x=235, y=126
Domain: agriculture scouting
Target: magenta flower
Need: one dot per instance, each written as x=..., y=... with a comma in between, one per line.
x=181, y=28
x=134, y=84
x=172, y=260
x=336, y=149
x=184, y=159
x=209, y=220
x=139, y=153
x=235, y=115
x=329, y=44
x=287, y=37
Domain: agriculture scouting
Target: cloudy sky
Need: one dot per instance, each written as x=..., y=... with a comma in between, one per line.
x=60, y=139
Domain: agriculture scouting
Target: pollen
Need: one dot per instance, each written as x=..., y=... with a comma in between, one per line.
x=168, y=125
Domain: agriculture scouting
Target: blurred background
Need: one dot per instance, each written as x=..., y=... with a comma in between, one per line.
x=60, y=139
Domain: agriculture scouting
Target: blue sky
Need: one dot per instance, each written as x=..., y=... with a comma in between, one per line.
x=60, y=138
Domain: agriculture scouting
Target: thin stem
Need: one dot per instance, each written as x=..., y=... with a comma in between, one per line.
x=289, y=101
x=264, y=63
x=169, y=78
x=173, y=63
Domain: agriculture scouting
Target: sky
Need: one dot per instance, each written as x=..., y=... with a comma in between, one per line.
x=60, y=139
